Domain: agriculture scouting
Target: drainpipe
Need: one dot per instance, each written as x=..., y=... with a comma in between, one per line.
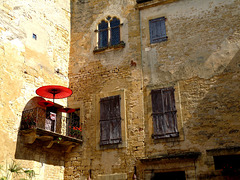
x=140, y=25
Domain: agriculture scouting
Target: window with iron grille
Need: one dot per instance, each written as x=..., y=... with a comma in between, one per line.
x=164, y=113
x=74, y=125
x=110, y=120
x=109, y=33
x=157, y=30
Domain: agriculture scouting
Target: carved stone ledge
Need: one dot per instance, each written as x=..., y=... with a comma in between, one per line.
x=47, y=139
x=109, y=48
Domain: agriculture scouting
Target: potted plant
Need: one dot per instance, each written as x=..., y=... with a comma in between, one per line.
x=75, y=132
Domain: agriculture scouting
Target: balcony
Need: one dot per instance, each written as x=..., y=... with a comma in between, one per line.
x=50, y=128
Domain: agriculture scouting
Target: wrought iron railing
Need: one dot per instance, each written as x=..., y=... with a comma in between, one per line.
x=36, y=118
x=33, y=118
x=73, y=127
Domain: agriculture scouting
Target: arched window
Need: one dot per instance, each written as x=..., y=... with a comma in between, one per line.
x=103, y=34
x=115, y=31
x=109, y=34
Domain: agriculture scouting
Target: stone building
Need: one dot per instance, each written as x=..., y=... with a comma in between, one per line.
x=155, y=87
x=34, y=51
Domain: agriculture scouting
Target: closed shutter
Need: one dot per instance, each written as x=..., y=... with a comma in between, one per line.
x=115, y=31
x=110, y=120
x=157, y=30
x=164, y=113
x=103, y=34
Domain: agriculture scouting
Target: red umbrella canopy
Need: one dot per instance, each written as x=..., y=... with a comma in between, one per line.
x=45, y=103
x=67, y=110
x=54, y=92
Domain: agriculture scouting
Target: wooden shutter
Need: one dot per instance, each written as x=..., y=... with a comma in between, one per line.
x=157, y=30
x=164, y=113
x=110, y=120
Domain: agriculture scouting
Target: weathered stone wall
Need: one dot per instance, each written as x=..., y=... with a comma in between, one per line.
x=104, y=73
x=201, y=60
x=25, y=65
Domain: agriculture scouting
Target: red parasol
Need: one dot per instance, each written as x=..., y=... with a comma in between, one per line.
x=67, y=110
x=54, y=92
x=45, y=103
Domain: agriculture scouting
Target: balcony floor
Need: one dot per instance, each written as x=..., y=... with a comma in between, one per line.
x=49, y=138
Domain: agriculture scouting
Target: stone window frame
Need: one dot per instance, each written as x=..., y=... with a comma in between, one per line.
x=123, y=143
x=109, y=46
x=149, y=119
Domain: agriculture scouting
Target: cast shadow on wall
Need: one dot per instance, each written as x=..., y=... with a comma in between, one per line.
x=36, y=149
x=214, y=122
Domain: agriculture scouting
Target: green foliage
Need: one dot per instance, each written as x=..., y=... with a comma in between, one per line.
x=14, y=169
x=30, y=173
x=59, y=139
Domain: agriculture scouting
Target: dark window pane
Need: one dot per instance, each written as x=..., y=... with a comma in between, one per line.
x=103, y=34
x=103, y=39
x=178, y=175
x=73, y=123
x=76, y=118
x=103, y=25
x=227, y=162
x=115, y=31
x=142, y=1
x=115, y=22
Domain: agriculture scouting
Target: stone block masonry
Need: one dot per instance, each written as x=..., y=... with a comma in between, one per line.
x=34, y=51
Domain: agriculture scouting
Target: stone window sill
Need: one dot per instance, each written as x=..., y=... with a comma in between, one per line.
x=103, y=49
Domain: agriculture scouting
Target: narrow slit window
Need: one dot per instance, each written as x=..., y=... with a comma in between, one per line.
x=34, y=36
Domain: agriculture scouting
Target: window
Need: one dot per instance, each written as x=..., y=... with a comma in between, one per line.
x=51, y=117
x=157, y=30
x=142, y=1
x=75, y=118
x=108, y=34
x=103, y=34
x=115, y=31
x=110, y=120
x=74, y=126
x=34, y=36
x=178, y=175
x=164, y=113
x=227, y=162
